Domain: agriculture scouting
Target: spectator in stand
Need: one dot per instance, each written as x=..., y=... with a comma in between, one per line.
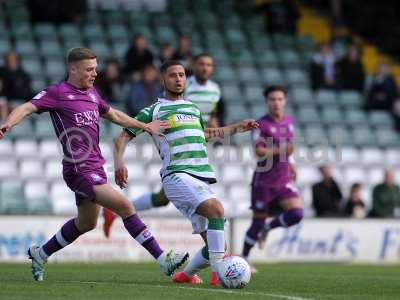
x=340, y=41
x=383, y=90
x=355, y=206
x=167, y=52
x=108, y=82
x=184, y=51
x=326, y=195
x=144, y=92
x=138, y=56
x=3, y=102
x=16, y=82
x=396, y=109
x=280, y=16
x=349, y=71
x=385, y=197
x=322, y=71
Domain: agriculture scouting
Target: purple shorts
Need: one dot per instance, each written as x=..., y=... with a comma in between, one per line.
x=82, y=183
x=262, y=197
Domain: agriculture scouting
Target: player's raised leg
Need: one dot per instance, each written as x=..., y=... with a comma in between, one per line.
x=292, y=215
x=108, y=197
x=86, y=220
x=251, y=237
x=143, y=202
x=195, y=199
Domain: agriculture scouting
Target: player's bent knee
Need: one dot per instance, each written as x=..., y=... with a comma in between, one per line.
x=217, y=209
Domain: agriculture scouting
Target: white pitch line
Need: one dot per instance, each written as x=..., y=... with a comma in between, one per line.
x=279, y=296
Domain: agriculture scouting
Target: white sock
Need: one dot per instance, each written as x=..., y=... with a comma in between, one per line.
x=143, y=202
x=197, y=263
x=216, y=246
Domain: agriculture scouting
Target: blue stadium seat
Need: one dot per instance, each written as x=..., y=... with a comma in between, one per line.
x=11, y=197
x=26, y=48
x=55, y=70
x=51, y=49
x=248, y=75
x=117, y=33
x=254, y=93
x=315, y=135
x=381, y=118
x=273, y=76
x=350, y=99
x=5, y=44
x=32, y=65
x=237, y=112
x=339, y=135
x=301, y=96
x=93, y=32
x=69, y=31
x=231, y=93
x=326, y=97
x=307, y=115
x=331, y=115
x=45, y=31
x=363, y=136
x=355, y=117
x=387, y=137
x=267, y=59
x=295, y=77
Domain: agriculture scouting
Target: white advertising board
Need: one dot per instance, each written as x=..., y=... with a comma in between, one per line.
x=328, y=240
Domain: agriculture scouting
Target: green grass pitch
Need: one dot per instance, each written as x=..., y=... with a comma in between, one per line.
x=144, y=281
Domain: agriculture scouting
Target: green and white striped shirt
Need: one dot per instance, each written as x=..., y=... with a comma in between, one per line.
x=204, y=96
x=183, y=148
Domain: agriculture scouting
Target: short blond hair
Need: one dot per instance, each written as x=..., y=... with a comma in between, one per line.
x=79, y=53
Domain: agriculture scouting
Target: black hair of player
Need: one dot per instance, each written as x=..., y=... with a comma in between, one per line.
x=169, y=63
x=274, y=88
x=201, y=55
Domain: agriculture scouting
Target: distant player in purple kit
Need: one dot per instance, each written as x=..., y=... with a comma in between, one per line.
x=272, y=180
x=75, y=107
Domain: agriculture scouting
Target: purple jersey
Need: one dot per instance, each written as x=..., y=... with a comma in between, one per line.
x=273, y=172
x=75, y=116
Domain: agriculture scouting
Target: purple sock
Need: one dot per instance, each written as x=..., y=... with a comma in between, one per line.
x=65, y=236
x=251, y=236
x=287, y=219
x=138, y=230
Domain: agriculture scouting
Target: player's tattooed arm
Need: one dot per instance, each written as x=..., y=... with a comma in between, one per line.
x=221, y=132
x=122, y=119
x=120, y=170
x=16, y=116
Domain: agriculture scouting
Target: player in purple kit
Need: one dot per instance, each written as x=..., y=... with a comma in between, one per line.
x=75, y=107
x=273, y=179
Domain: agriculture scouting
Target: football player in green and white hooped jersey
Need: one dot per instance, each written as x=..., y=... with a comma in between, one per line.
x=206, y=94
x=186, y=173
x=202, y=91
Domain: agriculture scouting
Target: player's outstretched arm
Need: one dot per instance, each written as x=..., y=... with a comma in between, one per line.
x=122, y=119
x=120, y=170
x=221, y=132
x=16, y=116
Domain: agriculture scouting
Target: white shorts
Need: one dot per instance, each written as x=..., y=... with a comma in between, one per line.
x=187, y=193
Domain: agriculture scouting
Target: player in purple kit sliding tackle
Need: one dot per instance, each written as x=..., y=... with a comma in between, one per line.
x=75, y=107
x=273, y=179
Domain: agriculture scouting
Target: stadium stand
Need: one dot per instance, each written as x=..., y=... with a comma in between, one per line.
x=246, y=60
